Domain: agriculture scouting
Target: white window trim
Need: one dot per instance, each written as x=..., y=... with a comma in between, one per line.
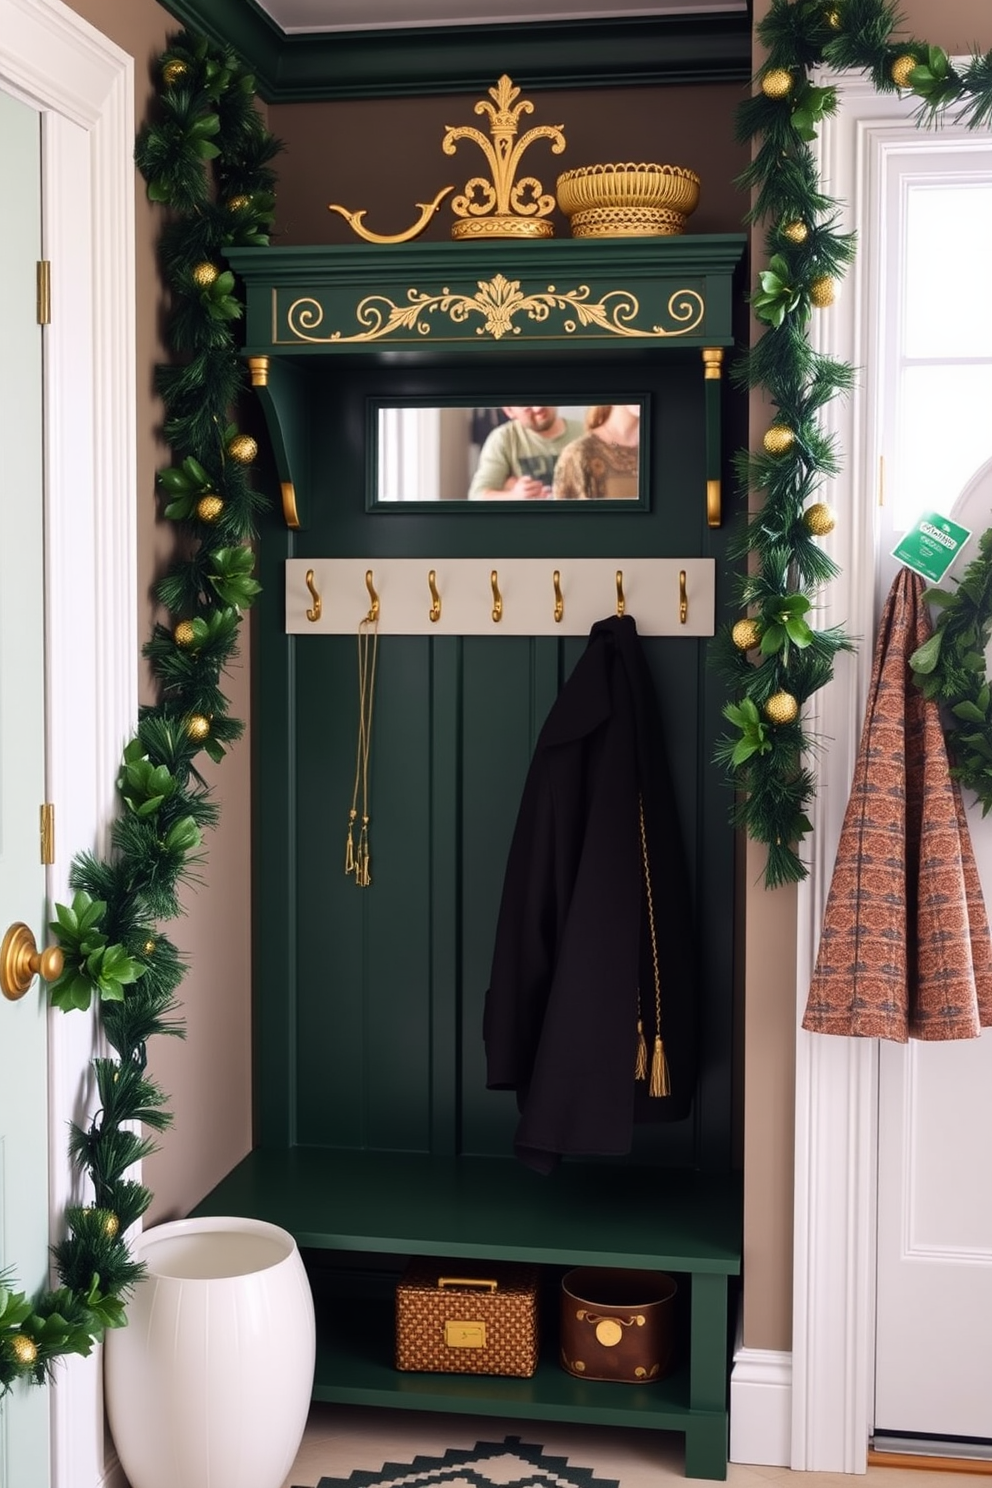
x=836, y=1078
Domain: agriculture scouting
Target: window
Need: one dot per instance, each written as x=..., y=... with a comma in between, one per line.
x=933, y=379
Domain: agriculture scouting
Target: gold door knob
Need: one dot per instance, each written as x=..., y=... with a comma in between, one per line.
x=21, y=961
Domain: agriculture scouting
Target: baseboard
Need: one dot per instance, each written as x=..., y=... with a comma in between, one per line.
x=761, y=1407
x=113, y=1476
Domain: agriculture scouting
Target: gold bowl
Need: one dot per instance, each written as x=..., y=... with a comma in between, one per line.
x=605, y=201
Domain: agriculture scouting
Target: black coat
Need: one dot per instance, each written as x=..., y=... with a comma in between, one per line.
x=572, y=941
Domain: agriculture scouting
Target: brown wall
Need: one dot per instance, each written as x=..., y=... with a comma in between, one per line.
x=208, y=1075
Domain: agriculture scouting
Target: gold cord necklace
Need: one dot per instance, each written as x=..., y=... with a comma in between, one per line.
x=660, y=1082
x=357, y=860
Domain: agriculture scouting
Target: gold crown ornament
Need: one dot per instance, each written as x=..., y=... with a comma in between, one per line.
x=503, y=207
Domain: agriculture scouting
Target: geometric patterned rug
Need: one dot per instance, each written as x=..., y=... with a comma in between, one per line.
x=507, y=1464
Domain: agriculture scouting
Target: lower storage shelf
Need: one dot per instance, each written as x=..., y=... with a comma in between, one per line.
x=365, y=1210
x=355, y=1366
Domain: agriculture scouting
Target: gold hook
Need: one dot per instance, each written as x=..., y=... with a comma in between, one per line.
x=497, y=598
x=373, y=613
x=559, y=601
x=313, y=614
x=683, y=598
x=435, y=609
x=621, y=602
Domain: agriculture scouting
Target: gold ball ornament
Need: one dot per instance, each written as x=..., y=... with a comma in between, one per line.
x=184, y=634
x=242, y=448
x=148, y=947
x=795, y=232
x=781, y=707
x=834, y=19
x=901, y=69
x=778, y=439
x=777, y=83
x=204, y=275
x=209, y=508
x=746, y=634
x=239, y=203
x=198, y=727
x=820, y=519
x=24, y=1349
x=111, y=1225
x=173, y=72
x=822, y=292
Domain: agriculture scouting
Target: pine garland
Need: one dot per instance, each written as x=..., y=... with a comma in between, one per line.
x=772, y=657
x=206, y=158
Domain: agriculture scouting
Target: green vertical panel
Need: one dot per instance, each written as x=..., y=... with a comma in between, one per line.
x=274, y=850
x=397, y=993
x=364, y=1015
x=445, y=886
x=330, y=928
x=498, y=738
x=673, y=666
x=510, y=691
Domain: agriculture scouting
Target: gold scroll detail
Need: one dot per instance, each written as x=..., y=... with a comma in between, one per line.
x=498, y=302
x=355, y=220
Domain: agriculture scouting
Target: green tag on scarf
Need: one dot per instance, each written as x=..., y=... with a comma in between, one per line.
x=931, y=545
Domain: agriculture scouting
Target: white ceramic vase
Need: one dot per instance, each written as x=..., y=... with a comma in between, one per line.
x=209, y=1384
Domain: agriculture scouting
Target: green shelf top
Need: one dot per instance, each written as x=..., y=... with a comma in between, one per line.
x=582, y=1214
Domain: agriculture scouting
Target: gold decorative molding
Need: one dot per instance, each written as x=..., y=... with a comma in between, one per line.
x=355, y=220
x=714, y=504
x=289, y=511
x=498, y=302
x=503, y=207
x=712, y=363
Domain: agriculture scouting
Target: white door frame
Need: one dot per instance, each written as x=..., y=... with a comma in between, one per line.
x=837, y=1078
x=83, y=84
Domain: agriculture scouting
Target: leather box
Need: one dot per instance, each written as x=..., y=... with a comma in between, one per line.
x=617, y=1324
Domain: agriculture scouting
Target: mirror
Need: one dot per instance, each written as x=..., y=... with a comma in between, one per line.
x=536, y=452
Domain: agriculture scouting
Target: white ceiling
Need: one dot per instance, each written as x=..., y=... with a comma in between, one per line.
x=309, y=16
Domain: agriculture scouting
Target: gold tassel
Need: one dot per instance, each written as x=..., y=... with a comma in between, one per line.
x=349, y=847
x=641, y=1063
x=660, y=1082
x=363, y=876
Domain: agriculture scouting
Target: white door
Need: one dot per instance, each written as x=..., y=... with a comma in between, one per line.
x=24, y=1232
x=934, y=1288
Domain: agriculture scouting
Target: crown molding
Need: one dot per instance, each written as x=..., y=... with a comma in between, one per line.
x=415, y=61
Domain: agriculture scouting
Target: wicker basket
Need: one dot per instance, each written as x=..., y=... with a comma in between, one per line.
x=448, y=1322
x=617, y=1325
x=628, y=200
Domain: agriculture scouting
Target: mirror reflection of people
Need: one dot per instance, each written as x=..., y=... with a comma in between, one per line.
x=517, y=461
x=603, y=464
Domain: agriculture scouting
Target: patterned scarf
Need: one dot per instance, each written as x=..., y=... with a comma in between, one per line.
x=905, y=950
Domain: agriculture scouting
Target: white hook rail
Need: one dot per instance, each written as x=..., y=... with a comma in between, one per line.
x=665, y=596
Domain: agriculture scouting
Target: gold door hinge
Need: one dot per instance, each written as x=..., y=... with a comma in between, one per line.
x=44, y=281
x=48, y=833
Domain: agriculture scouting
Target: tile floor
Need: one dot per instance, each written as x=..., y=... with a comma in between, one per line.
x=340, y=1439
